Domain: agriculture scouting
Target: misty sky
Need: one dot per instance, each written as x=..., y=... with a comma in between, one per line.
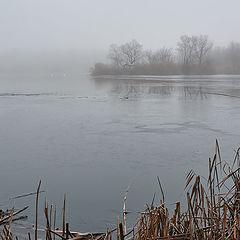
x=95, y=24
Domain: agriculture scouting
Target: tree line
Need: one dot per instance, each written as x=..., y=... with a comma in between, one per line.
x=192, y=55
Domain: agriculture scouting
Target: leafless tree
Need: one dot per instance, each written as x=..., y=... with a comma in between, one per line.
x=149, y=57
x=126, y=55
x=115, y=55
x=131, y=53
x=186, y=47
x=202, y=48
x=193, y=51
x=163, y=55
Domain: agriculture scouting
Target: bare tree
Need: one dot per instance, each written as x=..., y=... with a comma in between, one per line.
x=202, y=48
x=115, y=55
x=131, y=53
x=186, y=47
x=126, y=55
x=163, y=55
x=149, y=57
x=193, y=51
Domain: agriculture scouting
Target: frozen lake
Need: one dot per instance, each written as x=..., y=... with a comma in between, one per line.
x=91, y=138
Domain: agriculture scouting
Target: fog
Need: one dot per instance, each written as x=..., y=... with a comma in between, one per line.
x=164, y=85
x=84, y=29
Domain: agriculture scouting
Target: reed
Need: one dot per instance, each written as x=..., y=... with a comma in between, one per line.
x=211, y=211
x=213, y=207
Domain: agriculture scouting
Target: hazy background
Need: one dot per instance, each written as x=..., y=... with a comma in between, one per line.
x=90, y=138
x=73, y=34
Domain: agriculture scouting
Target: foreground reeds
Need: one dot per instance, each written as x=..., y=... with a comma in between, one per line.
x=211, y=211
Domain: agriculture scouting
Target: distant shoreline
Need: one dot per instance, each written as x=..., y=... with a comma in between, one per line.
x=170, y=76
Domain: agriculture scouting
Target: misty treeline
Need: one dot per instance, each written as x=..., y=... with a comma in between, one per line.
x=192, y=55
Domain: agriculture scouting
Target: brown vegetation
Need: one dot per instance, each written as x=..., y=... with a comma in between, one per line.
x=193, y=55
x=212, y=211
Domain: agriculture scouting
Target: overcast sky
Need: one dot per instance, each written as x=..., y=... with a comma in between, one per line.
x=95, y=24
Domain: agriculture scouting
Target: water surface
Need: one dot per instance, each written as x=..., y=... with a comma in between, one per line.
x=92, y=138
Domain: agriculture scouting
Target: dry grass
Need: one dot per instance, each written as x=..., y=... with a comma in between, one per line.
x=212, y=211
x=213, y=207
